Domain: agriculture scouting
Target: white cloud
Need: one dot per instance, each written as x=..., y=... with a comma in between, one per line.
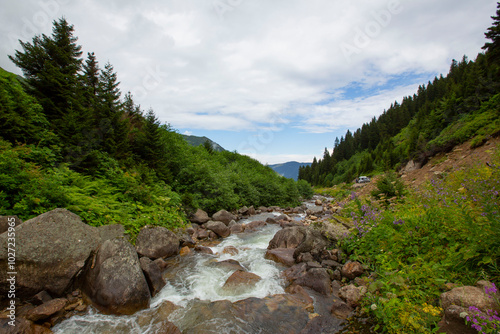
x=199, y=68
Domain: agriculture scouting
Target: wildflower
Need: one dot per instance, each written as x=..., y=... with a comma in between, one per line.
x=463, y=314
x=373, y=307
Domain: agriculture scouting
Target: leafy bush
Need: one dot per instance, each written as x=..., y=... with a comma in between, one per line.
x=389, y=186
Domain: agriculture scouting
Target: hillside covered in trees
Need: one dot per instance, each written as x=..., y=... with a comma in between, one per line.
x=448, y=111
x=69, y=138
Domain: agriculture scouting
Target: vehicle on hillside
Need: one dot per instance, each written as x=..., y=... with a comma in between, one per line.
x=363, y=179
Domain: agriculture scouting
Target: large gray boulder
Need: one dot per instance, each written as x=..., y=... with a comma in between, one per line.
x=8, y=221
x=218, y=228
x=224, y=216
x=50, y=250
x=290, y=237
x=156, y=241
x=114, y=280
x=199, y=217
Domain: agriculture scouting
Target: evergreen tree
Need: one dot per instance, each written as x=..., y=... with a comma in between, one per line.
x=493, y=34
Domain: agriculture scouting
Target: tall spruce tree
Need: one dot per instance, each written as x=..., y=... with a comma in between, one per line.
x=493, y=34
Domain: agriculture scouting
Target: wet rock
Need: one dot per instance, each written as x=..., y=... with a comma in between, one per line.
x=186, y=239
x=162, y=264
x=9, y=221
x=317, y=279
x=156, y=315
x=251, y=211
x=262, y=209
x=254, y=226
x=218, y=228
x=50, y=250
x=318, y=202
x=321, y=324
x=237, y=228
x=341, y=310
x=243, y=210
x=199, y=217
x=303, y=295
x=114, y=280
x=112, y=231
x=313, y=264
x=240, y=281
x=290, y=237
x=352, y=294
x=47, y=309
x=467, y=296
x=201, y=234
x=231, y=250
x=223, y=216
x=155, y=242
x=152, y=273
x=184, y=251
x=229, y=265
x=351, y=270
x=212, y=235
x=294, y=272
x=313, y=243
x=281, y=255
x=204, y=250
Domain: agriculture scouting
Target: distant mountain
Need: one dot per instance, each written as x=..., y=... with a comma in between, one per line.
x=289, y=169
x=197, y=141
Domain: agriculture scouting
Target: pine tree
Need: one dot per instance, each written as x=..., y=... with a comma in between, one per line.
x=493, y=34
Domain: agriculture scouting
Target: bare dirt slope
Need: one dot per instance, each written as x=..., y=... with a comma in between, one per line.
x=462, y=156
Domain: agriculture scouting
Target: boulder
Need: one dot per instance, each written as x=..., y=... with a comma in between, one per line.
x=223, y=216
x=467, y=296
x=113, y=279
x=201, y=234
x=281, y=255
x=230, y=265
x=251, y=211
x=204, y=250
x=333, y=230
x=294, y=272
x=152, y=273
x=184, y=251
x=353, y=269
x=237, y=228
x=157, y=241
x=317, y=279
x=352, y=294
x=253, y=226
x=107, y=232
x=218, y=228
x=199, y=217
x=313, y=243
x=50, y=250
x=240, y=281
x=9, y=221
x=46, y=309
x=290, y=237
x=305, y=257
x=243, y=210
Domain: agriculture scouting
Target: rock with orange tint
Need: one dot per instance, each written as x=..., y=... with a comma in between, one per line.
x=231, y=250
x=240, y=281
x=184, y=251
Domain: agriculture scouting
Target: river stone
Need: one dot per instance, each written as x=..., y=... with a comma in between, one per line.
x=353, y=269
x=152, y=273
x=229, y=264
x=237, y=228
x=231, y=250
x=281, y=255
x=218, y=228
x=223, y=216
x=317, y=279
x=290, y=237
x=200, y=217
x=314, y=242
x=47, y=309
x=240, y=281
x=204, y=250
x=5, y=220
x=50, y=250
x=114, y=281
x=157, y=241
x=341, y=310
x=254, y=226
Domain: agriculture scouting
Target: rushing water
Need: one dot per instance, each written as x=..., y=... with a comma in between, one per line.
x=194, y=285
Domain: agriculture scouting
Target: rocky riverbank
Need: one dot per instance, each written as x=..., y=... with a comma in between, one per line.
x=63, y=266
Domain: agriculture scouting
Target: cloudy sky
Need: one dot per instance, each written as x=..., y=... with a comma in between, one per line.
x=275, y=79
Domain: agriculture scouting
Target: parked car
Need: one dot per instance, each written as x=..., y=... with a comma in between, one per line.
x=363, y=179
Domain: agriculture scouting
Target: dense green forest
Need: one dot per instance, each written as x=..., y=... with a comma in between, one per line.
x=447, y=111
x=70, y=139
